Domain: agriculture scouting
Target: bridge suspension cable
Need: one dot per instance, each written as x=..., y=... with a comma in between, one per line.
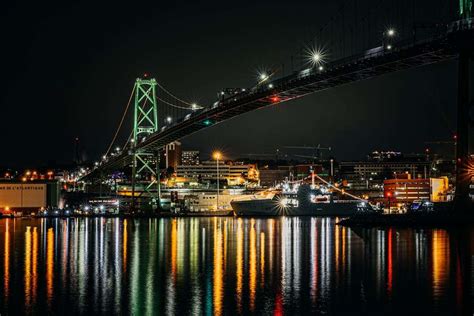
x=177, y=106
x=175, y=97
x=121, y=121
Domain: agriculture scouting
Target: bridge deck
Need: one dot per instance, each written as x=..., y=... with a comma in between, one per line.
x=371, y=64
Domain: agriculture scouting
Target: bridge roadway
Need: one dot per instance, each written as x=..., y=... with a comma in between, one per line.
x=371, y=64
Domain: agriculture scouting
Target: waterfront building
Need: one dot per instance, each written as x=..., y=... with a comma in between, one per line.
x=25, y=197
x=171, y=156
x=270, y=177
x=233, y=174
x=405, y=190
x=190, y=157
x=364, y=175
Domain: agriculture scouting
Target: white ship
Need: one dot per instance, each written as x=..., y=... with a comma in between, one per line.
x=306, y=201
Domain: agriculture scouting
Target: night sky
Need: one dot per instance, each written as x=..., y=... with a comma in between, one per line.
x=68, y=69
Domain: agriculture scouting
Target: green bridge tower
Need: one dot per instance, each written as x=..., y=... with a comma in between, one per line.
x=465, y=8
x=145, y=166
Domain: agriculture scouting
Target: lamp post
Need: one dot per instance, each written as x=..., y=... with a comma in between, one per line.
x=217, y=155
x=332, y=170
x=389, y=196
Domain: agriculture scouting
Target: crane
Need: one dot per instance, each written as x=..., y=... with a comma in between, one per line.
x=445, y=142
x=317, y=154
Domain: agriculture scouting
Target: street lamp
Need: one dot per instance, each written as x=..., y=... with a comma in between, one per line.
x=217, y=156
x=389, y=195
x=332, y=169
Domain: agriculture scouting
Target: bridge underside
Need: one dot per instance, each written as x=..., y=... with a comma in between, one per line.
x=372, y=64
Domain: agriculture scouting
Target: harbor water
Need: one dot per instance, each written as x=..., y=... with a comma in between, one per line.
x=226, y=265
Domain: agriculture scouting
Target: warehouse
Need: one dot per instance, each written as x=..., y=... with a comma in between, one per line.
x=21, y=198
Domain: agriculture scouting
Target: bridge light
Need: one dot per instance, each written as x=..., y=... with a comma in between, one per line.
x=320, y=68
x=270, y=85
x=391, y=32
x=194, y=106
x=169, y=119
x=117, y=148
x=104, y=157
x=275, y=99
x=315, y=56
x=263, y=76
x=389, y=47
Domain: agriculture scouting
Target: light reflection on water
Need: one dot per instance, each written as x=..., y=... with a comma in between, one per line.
x=230, y=265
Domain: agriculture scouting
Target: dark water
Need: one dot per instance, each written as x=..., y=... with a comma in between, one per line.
x=228, y=266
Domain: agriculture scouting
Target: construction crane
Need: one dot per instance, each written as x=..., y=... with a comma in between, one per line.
x=445, y=142
x=317, y=154
x=442, y=142
x=277, y=155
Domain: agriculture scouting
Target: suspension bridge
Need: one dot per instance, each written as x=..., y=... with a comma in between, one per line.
x=160, y=117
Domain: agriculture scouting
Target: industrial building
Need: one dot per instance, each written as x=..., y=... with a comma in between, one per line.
x=405, y=190
x=234, y=174
x=190, y=157
x=171, y=156
x=27, y=197
x=364, y=174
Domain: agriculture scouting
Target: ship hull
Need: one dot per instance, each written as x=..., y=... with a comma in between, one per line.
x=270, y=208
x=256, y=208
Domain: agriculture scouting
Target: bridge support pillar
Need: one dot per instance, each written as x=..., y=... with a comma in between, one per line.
x=145, y=123
x=134, y=176
x=158, y=181
x=464, y=172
